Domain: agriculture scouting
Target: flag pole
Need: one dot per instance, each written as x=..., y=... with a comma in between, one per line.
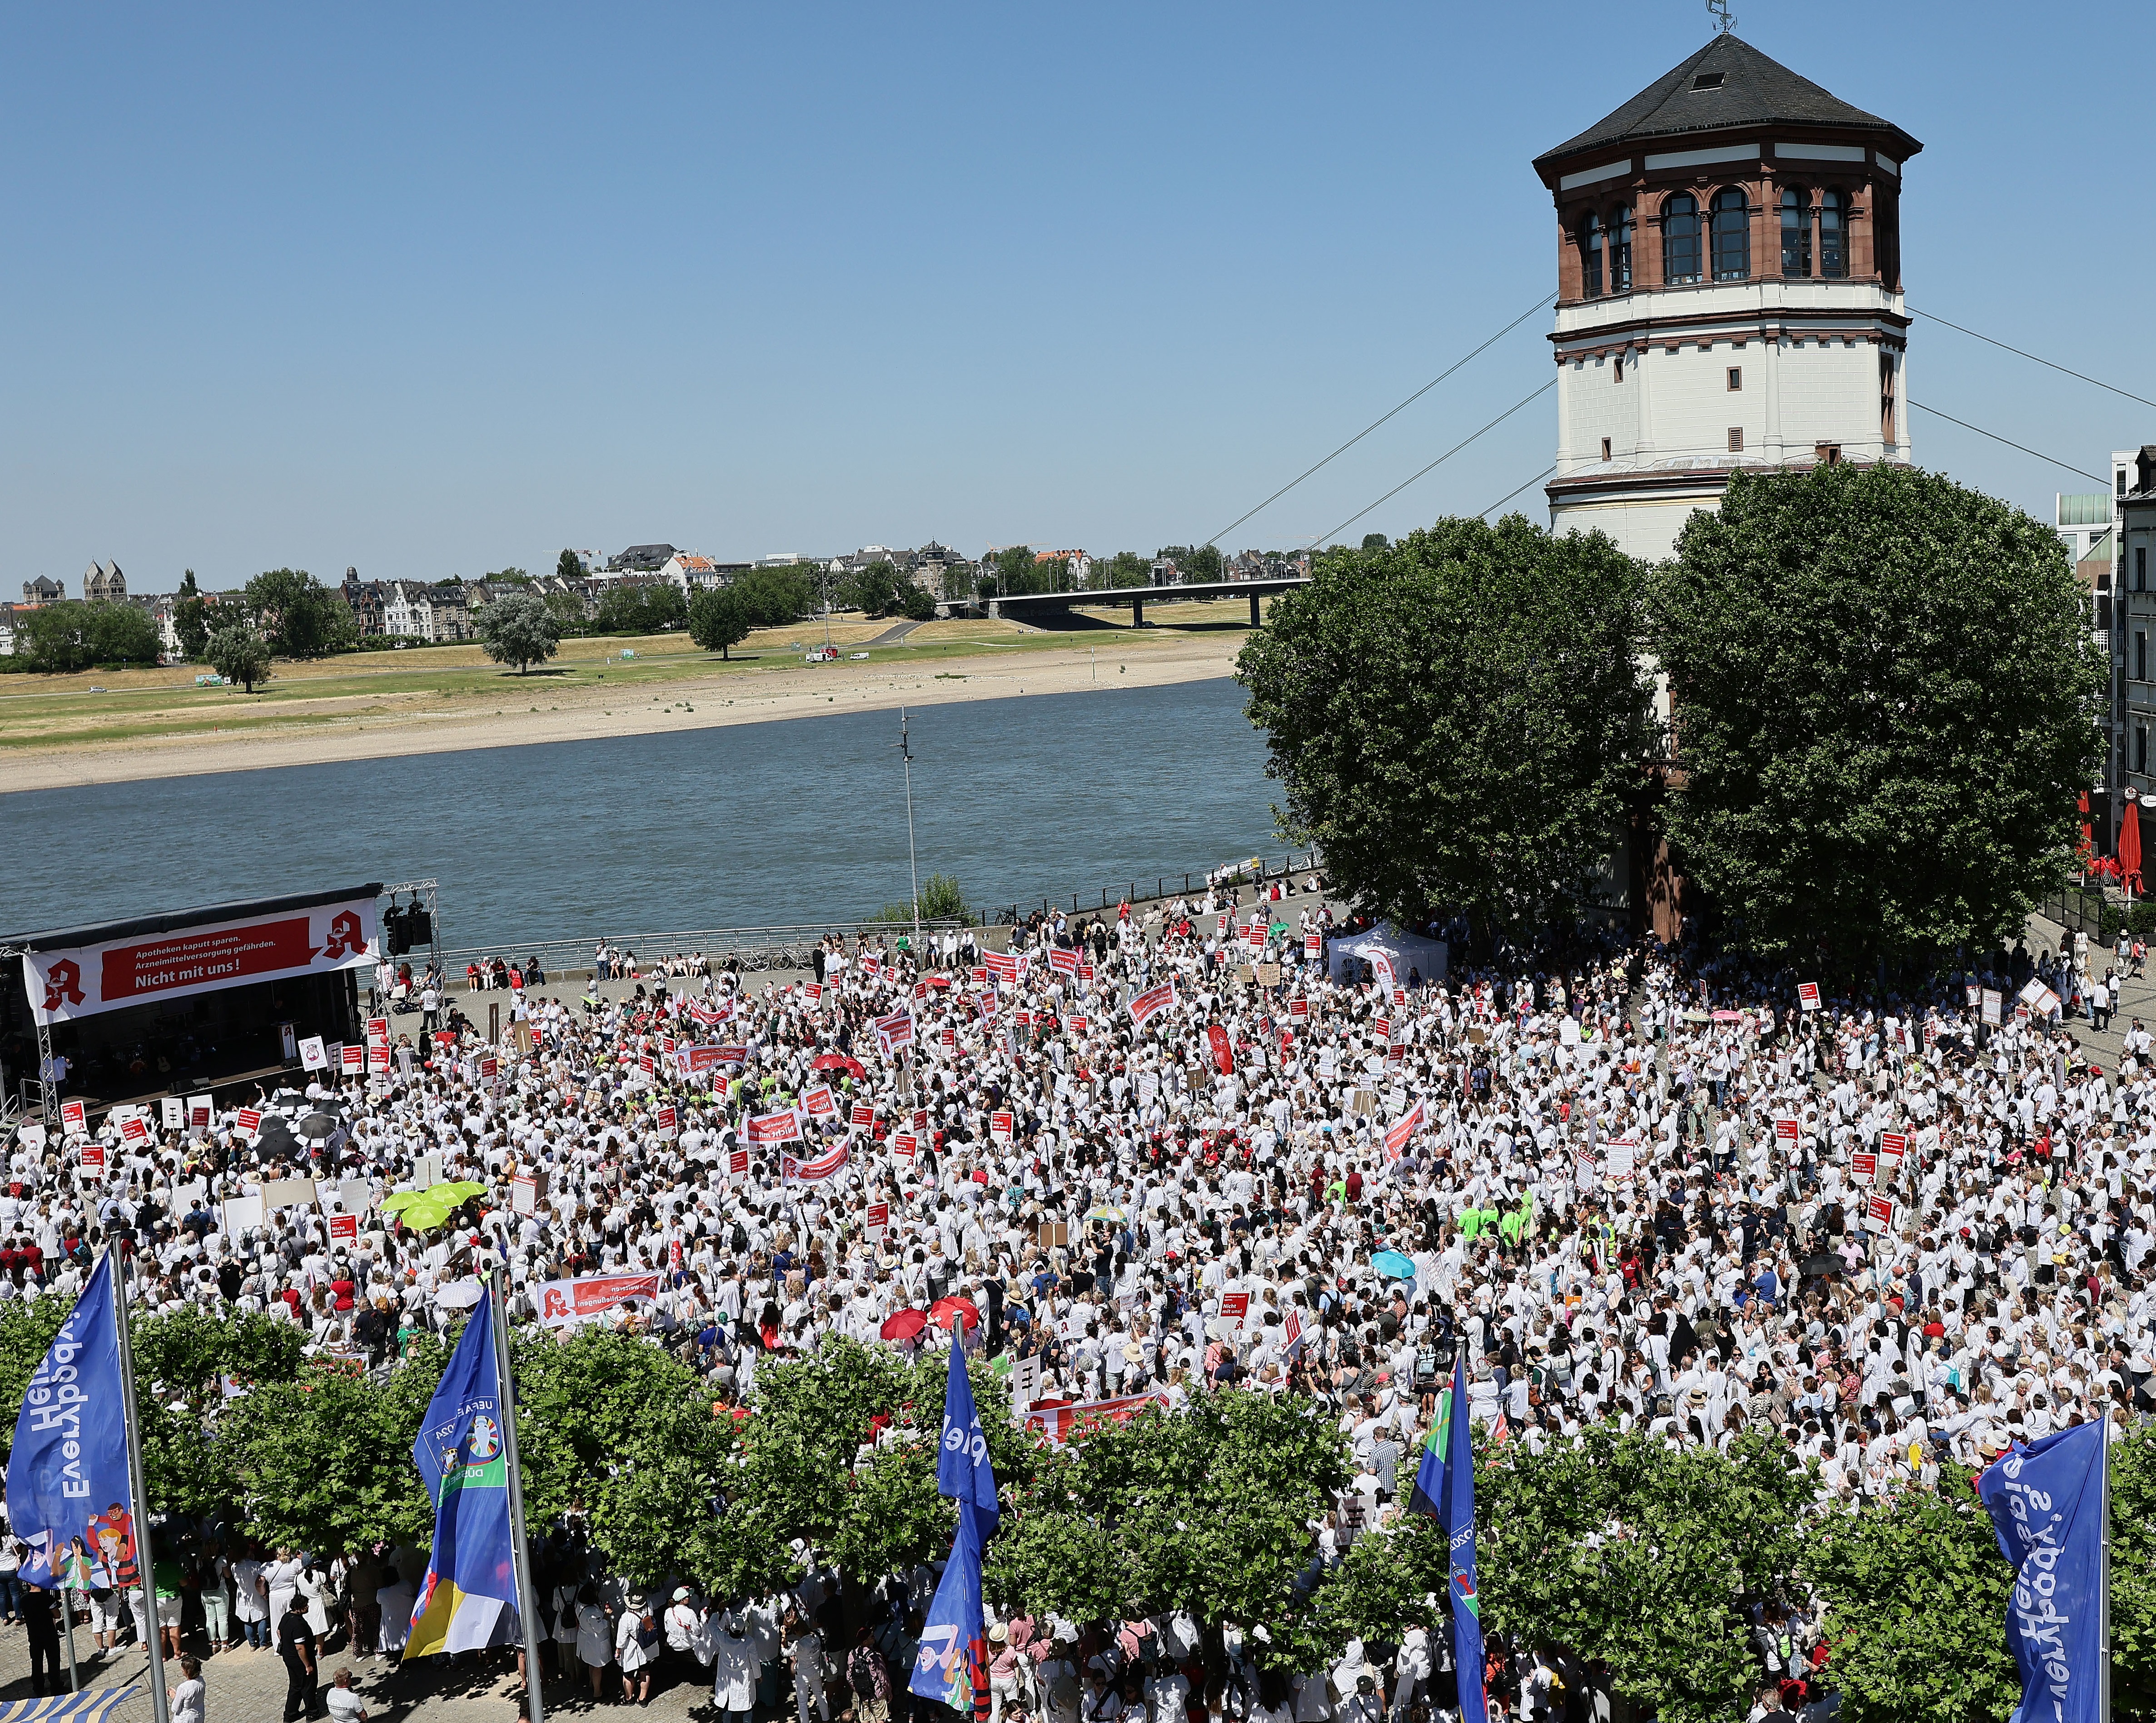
x=131, y=1422
x=519, y=1550
x=2103, y=1575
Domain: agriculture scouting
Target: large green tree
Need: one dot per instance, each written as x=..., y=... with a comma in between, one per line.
x=1885, y=702
x=718, y=620
x=647, y=607
x=238, y=654
x=75, y=635
x=774, y=597
x=1460, y=719
x=298, y=616
x=518, y=629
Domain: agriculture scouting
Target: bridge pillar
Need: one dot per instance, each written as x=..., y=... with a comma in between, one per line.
x=1137, y=613
x=1253, y=610
x=995, y=609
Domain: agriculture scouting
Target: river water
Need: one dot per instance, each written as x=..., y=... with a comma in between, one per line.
x=747, y=825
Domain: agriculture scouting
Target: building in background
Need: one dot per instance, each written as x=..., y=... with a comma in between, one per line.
x=1729, y=293
x=42, y=591
x=103, y=583
x=640, y=559
x=2133, y=531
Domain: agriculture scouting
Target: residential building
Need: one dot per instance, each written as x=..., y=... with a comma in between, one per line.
x=690, y=571
x=7, y=629
x=1729, y=293
x=102, y=583
x=364, y=598
x=641, y=560
x=420, y=611
x=42, y=591
x=2133, y=501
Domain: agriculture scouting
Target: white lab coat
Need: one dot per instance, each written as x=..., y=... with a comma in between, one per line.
x=733, y=1672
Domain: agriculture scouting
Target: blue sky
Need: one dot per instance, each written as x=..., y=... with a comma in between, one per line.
x=434, y=290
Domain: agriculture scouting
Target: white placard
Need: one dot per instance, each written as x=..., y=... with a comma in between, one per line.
x=172, y=1112
x=243, y=1214
x=288, y=1193
x=313, y=1055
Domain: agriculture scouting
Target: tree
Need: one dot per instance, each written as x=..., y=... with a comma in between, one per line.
x=518, y=629
x=648, y=607
x=571, y=614
x=915, y=603
x=508, y=577
x=1374, y=541
x=238, y=654
x=1125, y=568
x=1460, y=719
x=298, y=616
x=1010, y=571
x=772, y=598
x=1885, y=702
x=718, y=620
x=191, y=617
x=1195, y=562
x=1915, y=1592
x=873, y=590
x=569, y=566
x=1626, y=1551
x=60, y=639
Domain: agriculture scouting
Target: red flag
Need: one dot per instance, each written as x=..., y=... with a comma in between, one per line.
x=1223, y=1051
x=1401, y=1135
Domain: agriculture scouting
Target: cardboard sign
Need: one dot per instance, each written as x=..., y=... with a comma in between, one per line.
x=1268, y=974
x=344, y=1229
x=31, y=1137
x=247, y=1123
x=172, y=1112
x=1807, y=996
x=287, y=1193
x=1314, y=945
x=1879, y=1212
x=668, y=1121
x=1234, y=1308
x=523, y=1194
x=313, y=1055
x=1863, y=1168
x=1994, y=1007
x=1055, y=1234
x=1786, y=1132
x=73, y=1117
x=877, y=1220
x=242, y=1214
x=93, y=1157
x=1002, y=1127
x=198, y=1111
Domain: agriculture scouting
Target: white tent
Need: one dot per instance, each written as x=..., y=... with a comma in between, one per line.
x=1409, y=952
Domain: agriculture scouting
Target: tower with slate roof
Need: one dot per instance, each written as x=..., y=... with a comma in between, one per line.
x=1729, y=293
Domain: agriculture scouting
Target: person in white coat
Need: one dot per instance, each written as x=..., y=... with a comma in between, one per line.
x=636, y=1646
x=733, y=1666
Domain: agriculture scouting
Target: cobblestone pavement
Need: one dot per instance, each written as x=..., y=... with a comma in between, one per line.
x=248, y=1686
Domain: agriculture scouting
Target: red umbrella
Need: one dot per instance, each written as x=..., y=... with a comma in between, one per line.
x=839, y=1061
x=903, y=1326
x=944, y=1312
x=2129, y=847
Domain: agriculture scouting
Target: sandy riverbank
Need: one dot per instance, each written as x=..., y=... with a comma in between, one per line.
x=735, y=695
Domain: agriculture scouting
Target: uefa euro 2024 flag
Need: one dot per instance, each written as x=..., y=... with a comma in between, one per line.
x=2047, y=1503
x=953, y=1666
x=67, y=1474
x=1445, y=1488
x=467, y=1601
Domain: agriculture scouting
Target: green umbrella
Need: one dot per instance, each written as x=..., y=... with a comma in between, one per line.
x=425, y=1210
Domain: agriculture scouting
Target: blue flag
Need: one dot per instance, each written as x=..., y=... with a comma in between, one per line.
x=2047, y=1503
x=1444, y=1488
x=468, y=1600
x=953, y=1666
x=67, y=1474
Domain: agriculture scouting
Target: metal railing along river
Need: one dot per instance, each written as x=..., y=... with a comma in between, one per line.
x=743, y=949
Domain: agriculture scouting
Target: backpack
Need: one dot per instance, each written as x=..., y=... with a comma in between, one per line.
x=864, y=1670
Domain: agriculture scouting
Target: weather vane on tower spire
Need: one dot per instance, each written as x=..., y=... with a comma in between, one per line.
x=1720, y=8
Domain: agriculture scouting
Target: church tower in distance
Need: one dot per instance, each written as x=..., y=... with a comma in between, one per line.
x=1729, y=293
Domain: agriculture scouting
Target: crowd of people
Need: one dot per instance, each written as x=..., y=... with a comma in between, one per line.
x=1193, y=1147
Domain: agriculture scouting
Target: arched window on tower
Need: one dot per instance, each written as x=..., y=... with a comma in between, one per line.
x=1620, y=251
x=1681, y=238
x=1732, y=236
x=1796, y=234
x=1834, y=235
x=1590, y=258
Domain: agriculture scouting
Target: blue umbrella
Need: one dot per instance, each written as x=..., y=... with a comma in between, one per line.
x=1393, y=1265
